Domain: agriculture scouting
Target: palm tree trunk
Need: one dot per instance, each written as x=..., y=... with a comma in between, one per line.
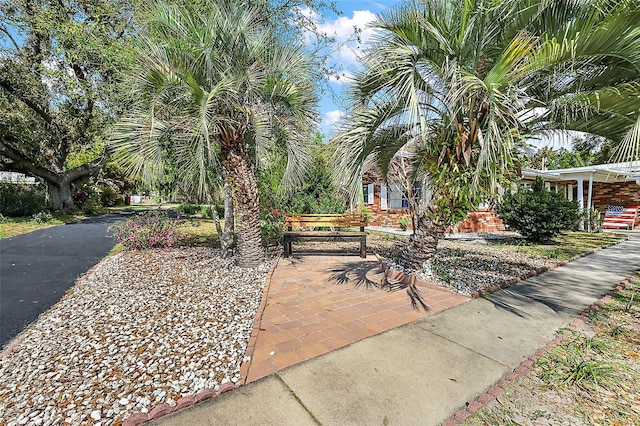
x=225, y=236
x=422, y=243
x=242, y=180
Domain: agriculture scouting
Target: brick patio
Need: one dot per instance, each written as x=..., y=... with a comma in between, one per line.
x=314, y=303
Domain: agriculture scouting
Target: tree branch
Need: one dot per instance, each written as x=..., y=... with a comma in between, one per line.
x=13, y=40
x=22, y=163
x=42, y=112
x=89, y=169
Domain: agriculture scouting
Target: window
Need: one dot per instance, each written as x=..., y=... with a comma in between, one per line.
x=398, y=196
x=367, y=192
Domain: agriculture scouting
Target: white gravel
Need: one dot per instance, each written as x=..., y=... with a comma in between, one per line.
x=467, y=267
x=140, y=329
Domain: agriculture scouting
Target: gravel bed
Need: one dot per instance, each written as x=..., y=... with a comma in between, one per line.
x=467, y=267
x=140, y=329
x=463, y=266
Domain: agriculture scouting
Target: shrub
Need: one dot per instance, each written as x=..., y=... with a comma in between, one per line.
x=403, y=222
x=206, y=212
x=17, y=201
x=147, y=230
x=42, y=217
x=93, y=206
x=272, y=227
x=539, y=214
x=109, y=197
x=80, y=198
x=188, y=208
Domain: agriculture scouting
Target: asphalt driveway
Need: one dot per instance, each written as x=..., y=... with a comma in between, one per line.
x=37, y=268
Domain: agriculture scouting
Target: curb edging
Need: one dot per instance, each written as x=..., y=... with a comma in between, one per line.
x=163, y=409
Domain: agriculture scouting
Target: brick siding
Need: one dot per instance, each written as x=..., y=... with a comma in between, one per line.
x=482, y=221
x=614, y=194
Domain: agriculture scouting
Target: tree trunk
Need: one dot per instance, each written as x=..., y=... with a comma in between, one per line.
x=242, y=181
x=226, y=236
x=60, y=196
x=422, y=244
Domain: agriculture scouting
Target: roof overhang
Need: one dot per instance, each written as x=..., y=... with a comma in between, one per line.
x=615, y=172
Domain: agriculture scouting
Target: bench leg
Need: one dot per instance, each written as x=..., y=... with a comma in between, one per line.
x=287, y=248
x=363, y=247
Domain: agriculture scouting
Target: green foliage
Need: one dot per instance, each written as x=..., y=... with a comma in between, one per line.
x=539, y=214
x=148, y=230
x=206, y=212
x=403, y=222
x=567, y=365
x=453, y=82
x=551, y=159
x=109, y=197
x=60, y=87
x=188, y=208
x=315, y=194
x=42, y=217
x=93, y=206
x=271, y=228
x=17, y=201
x=88, y=198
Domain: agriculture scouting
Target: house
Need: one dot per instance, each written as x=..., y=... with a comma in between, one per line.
x=17, y=178
x=387, y=203
x=593, y=187
x=597, y=186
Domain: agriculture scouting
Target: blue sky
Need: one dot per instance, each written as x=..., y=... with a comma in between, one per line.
x=354, y=14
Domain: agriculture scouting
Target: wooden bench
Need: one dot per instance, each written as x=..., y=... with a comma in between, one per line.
x=618, y=217
x=292, y=221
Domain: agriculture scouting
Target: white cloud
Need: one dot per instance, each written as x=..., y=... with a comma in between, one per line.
x=332, y=117
x=350, y=33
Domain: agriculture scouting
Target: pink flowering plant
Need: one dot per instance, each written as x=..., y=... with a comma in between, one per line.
x=148, y=230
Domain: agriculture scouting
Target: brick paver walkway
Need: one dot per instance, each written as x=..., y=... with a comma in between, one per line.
x=316, y=303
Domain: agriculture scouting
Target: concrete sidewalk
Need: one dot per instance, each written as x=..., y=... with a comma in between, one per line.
x=423, y=372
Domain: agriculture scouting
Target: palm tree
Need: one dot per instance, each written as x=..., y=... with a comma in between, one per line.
x=460, y=84
x=212, y=88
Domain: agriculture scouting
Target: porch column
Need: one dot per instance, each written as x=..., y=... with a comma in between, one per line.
x=570, y=192
x=589, y=202
x=581, y=202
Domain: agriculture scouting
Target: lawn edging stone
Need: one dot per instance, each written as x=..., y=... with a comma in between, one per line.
x=164, y=408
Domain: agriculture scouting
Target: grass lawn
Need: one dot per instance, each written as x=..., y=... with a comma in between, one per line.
x=200, y=232
x=140, y=207
x=592, y=377
x=13, y=226
x=564, y=246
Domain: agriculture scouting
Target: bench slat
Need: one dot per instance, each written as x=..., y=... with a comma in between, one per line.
x=325, y=234
x=324, y=220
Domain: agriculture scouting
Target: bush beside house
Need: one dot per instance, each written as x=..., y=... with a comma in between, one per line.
x=538, y=214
